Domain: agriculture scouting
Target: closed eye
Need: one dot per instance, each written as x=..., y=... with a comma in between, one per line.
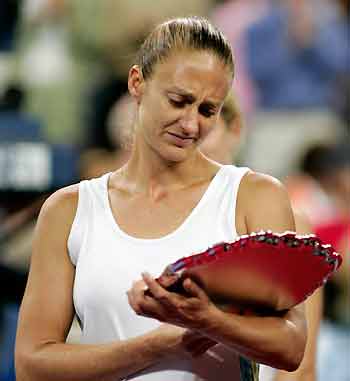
x=206, y=111
x=176, y=103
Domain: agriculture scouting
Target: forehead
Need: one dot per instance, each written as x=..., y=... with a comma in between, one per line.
x=200, y=73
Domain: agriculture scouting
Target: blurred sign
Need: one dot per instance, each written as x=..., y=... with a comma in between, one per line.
x=25, y=166
x=36, y=166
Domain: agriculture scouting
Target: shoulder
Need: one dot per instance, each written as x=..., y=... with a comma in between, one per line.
x=54, y=224
x=61, y=206
x=264, y=203
x=63, y=200
x=259, y=186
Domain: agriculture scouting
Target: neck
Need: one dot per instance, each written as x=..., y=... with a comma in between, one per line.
x=146, y=170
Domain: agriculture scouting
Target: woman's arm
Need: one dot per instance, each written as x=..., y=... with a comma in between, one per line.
x=47, y=312
x=314, y=307
x=278, y=341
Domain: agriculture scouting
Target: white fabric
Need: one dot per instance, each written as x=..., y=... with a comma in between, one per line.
x=266, y=373
x=108, y=260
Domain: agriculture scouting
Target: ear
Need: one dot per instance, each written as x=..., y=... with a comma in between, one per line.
x=136, y=83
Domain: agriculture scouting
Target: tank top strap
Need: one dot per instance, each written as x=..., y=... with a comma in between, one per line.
x=89, y=197
x=224, y=202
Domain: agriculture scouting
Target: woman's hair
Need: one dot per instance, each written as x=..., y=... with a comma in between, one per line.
x=188, y=33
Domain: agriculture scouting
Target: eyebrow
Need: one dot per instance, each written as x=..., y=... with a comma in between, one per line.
x=190, y=97
x=182, y=92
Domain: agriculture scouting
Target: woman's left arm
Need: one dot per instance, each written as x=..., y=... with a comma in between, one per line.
x=314, y=309
x=278, y=341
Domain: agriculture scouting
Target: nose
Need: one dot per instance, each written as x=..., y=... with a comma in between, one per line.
x=190, y=122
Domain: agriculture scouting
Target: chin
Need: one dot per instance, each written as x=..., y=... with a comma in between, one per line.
x=175, y=154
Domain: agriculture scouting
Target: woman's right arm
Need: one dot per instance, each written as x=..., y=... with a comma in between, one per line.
x=47, y=311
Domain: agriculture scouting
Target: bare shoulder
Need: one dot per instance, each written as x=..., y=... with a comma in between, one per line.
x=61, y=206
x=63, y=200
x=56, y=217
x=264, y=202
x=261, y=184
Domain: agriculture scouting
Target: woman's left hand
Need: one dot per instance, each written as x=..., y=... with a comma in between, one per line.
x=194, y=311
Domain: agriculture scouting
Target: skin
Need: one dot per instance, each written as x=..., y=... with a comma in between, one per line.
x=167, y=175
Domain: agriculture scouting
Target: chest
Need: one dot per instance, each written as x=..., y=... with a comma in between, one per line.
x=156, y=215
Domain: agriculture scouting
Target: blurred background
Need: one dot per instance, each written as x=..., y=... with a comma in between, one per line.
x=65, y=116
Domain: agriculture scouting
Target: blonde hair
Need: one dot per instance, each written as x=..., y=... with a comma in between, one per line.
x=193, y=33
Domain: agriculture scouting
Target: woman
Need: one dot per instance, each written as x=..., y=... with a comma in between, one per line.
x=93, y=240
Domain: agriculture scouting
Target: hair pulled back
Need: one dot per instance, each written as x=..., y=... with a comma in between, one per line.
x=187, y=33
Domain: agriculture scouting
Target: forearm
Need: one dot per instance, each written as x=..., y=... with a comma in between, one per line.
x=274, y=341
x=307, y=370
x=75, y=362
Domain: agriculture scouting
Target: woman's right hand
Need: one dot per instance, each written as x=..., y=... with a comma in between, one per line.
x=184, y=341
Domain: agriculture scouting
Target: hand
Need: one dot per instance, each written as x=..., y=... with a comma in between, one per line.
x=183, y=341
x=193, y=311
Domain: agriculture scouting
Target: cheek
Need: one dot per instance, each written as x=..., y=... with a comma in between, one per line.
x=158, y=113
x=211, y=141
x=208, y=129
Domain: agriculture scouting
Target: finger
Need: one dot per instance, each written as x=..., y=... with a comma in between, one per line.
x=139, y=286
x=194, y=290
x=153, y=315
x=143, y=308
x=138, y=301
x=132, y=303
x=152, y=308
x=158, y=292
x=167, y=280
x=136, y=292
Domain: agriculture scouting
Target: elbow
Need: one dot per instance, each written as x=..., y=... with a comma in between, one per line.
x=26, y=365
x=22, y=365
x=293, y=353
x=292, y=362
x=288, y=360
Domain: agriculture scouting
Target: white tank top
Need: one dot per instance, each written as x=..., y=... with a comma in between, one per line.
x=107, y=260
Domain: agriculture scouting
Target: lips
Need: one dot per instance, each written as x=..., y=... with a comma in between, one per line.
x=179, y=140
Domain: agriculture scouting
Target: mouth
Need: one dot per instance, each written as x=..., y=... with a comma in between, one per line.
x=180, y=140
x=181, y=136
